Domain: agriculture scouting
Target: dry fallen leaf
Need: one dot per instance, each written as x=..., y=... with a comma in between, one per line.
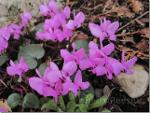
x=136, y=5
x=4, y=105
x=143, y=46
x=145, y=32
x=122, y=11
x=131, y=53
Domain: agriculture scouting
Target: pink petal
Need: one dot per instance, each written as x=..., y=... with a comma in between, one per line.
x=44, y=10
x=78, y=81
x=48, y=91
x=70, y=25
x=80, y=54
x=37, y=84
x=108, y=49
x=129, y=64
x=52, y=77
x=69, y=68
x=69, y=86
x=53, y=66
x=11, y=71
x=93, y=45
x=67, y=11
x=66, y=55
x=85, y=64
x=53, y=6
x=117, y=67
x=79, y=19
x=95, y=29
x=100, y=70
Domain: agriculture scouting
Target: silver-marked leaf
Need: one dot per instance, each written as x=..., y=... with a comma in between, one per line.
x=14, y=100
x=31, y=101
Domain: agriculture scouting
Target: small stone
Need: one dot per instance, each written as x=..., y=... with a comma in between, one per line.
x=135, y=84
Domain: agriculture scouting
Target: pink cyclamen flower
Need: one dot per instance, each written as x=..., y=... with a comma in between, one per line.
x=102, y=63
x=25, y=18
x=128, y=64
x=16, y=30
x=78, y=56
x=4, y=37
x=49, y=10
x=76, y=23
x=17, y=68
x=57, y=82
x=45, y=85
x=105, y=29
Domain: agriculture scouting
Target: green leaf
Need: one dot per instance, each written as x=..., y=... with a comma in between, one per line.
x=83, y=107
x=88, y=98
x=43, y=100
x=3, y=59
x=50, y=105
x=71, y=96
x=82, y=44
x=71, y=106
x=31, y=53
x=61, y=103
x=32, y=63
x=32, y=50
x=42, y=68
x=14, y=100
x=99, y=102
x=31, y=101
x=39, y=27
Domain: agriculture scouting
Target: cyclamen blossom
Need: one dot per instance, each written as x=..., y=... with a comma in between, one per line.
x=106, y=29
x=58, y=27
x=17, y=68
x=25, y=18
x=57, y=82
x=14, y=30
x=49, y=10
x=102, y=63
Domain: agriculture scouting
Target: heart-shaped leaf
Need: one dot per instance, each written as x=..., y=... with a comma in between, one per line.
x=31, y=53
x=14, y=100
x=31, y=101
x=42, y=68
x=3, y=59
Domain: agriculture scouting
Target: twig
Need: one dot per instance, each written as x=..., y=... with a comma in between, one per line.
x=125, y=34
x=3, y=83
x=134, y=20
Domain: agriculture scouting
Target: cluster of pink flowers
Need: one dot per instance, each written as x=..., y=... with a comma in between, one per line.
x=98, y=60
x=13, y=30
x=57, y=82
x=58, y=26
